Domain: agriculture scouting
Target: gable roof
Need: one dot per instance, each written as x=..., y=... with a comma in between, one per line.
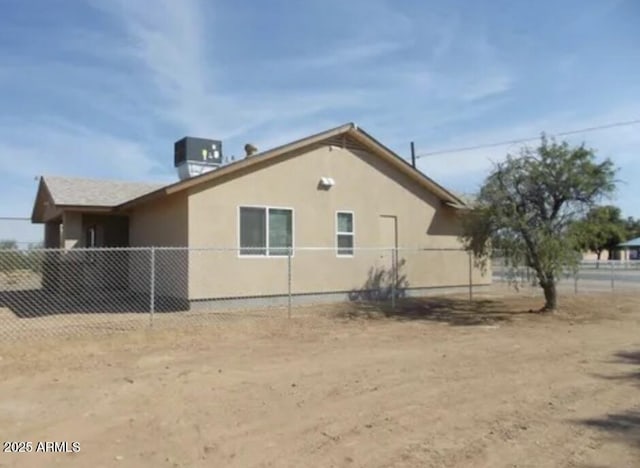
x=350, y=130
x=95, y=192
x=109, y=195
x=89, y=193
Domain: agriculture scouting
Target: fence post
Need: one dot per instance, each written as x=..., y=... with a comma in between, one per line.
x=612, y=276
x=289, y=282
x=470, y=277
x=152, y=286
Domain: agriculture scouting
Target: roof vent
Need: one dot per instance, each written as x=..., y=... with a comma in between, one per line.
x=195, y=156
x=250, y=149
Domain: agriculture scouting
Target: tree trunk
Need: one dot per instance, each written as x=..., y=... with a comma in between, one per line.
x=550, y=296
x=598, y=253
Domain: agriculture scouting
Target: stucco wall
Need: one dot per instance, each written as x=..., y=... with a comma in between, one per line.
x=364, y=185
x=52, y=237
x=71, y=229
x=162, y=223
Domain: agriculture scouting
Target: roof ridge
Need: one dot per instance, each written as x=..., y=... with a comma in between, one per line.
x=97, y=179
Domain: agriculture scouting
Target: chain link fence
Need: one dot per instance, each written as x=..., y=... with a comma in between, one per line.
x=51, y=292
x=588, y=276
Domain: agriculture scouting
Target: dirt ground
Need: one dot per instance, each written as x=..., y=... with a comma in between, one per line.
x=437, y=383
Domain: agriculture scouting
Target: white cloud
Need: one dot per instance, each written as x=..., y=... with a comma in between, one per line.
x=486, y=86
x=66, y=149
x=175, y=53
x=347, y=55
x=71, y=148
x=161, y=82
x=170, y=57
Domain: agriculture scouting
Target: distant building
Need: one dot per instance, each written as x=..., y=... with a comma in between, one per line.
x=630, y=249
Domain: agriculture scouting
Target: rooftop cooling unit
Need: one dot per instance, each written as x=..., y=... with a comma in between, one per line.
x=196, y=156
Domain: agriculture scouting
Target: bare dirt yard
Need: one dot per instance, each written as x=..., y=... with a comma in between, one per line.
x=435, y=383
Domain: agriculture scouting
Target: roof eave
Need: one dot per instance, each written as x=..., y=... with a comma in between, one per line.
x=425, y=180
x=144, y=198
x=351, y=128
x=37, y=216
x=258, y=158
x=238, y=165
x=458, y=206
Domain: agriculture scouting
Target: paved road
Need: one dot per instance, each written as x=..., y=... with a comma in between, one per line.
x=627, y=276
x=602, y=274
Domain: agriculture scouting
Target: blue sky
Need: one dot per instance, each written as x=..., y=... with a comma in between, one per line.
x=104, y=88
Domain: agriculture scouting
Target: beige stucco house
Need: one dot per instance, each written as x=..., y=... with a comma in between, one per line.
x=340, y=189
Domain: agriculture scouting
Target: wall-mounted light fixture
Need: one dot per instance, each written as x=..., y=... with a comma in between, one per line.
x=327, y=182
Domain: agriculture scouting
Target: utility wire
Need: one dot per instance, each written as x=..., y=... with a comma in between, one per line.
x=524, y=140
x=469, y=148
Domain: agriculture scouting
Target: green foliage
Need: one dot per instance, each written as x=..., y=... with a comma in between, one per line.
x=14, y=259
x=527, y=204
x=10, y=256
x=602, y=228
x=632, y=228
x=8, y=244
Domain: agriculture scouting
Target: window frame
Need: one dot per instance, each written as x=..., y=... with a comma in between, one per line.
x=266, y=248
x=338, y=233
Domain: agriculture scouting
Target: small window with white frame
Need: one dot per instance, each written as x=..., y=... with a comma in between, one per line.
x=345, y=235
x=265, y=231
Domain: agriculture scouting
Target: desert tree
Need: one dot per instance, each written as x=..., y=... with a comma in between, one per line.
x=527, y=204
x=601, y=229
x=632, y=228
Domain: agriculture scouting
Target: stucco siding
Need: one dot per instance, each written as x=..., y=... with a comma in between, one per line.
x=364, y=184
x=160, y=224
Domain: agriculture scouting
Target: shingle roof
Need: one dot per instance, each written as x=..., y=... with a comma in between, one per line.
x=95, y=192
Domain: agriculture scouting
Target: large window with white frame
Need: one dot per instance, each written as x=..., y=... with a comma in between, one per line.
x=265, y=231
x=345, y=235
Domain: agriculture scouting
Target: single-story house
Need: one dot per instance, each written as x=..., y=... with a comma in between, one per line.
x=630, y=250
x=340, y=188
x=590, y=256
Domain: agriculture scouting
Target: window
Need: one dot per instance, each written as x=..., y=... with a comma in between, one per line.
x=344, y=233
x=265, y=231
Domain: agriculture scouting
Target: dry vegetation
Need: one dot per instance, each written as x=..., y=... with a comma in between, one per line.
x=435, y=383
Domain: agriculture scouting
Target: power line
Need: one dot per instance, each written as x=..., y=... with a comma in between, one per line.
x=13, y=218
x=524, y=140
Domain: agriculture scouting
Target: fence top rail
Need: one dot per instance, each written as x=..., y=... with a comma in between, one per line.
x=78, y=249
x=232, y=249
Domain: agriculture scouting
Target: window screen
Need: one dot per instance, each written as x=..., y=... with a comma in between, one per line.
x=253, y=239
x=265, y=231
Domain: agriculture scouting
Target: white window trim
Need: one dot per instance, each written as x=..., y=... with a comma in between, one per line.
x=267, y=208
x=339, y=233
